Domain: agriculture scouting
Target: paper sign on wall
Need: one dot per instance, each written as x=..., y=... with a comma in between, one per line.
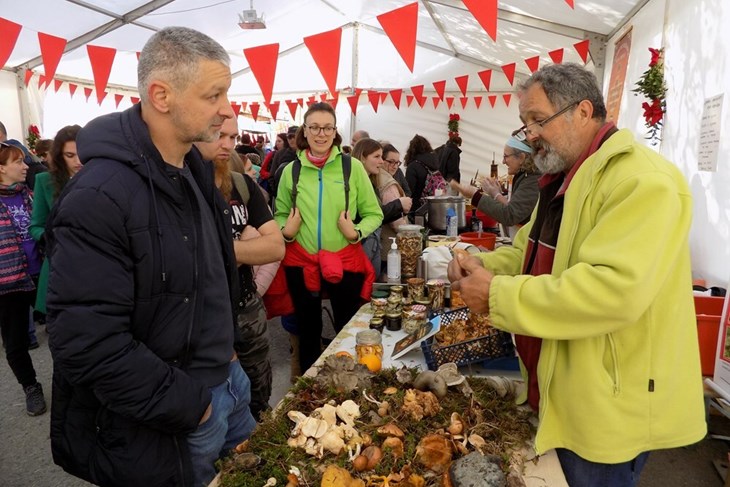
x=710, y=133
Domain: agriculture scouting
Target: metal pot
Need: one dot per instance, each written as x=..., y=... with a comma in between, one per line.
x=437, y=208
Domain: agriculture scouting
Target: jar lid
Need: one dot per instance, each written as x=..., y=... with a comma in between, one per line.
x=425, y=301
x=379, y=294
x=410, y=228
x=396, y=289
x=368, y=337
x=393, y=314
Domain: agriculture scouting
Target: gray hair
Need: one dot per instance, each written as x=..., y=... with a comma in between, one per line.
x=174, y=54
x=568, y=83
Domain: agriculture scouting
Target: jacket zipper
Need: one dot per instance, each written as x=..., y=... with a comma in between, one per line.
x=179, y=459
x=319, y=214
x=614, y=357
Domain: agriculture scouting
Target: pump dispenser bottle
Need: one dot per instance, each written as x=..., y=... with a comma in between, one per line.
x=393, y=263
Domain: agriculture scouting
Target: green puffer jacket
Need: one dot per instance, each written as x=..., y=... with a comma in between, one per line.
x=321, y=199
x=619, y=370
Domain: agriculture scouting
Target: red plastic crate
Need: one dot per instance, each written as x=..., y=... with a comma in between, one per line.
x=709, y=311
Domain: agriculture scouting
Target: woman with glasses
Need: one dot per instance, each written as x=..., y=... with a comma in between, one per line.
x=317, y=215
x=393, y=201
x=65, y=164
x=515, y=211
x=20, y=264
x=392, y=162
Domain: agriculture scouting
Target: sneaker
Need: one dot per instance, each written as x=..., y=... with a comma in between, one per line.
x=35, y=403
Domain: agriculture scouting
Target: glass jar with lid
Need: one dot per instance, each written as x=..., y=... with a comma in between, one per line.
x=410, y=243
x=368, y=342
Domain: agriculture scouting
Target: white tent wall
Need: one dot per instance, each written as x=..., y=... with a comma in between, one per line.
x=697, y=67
x=10, y=103
x=484, y=130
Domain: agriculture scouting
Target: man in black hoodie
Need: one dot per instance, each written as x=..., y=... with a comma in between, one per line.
x=146, y=387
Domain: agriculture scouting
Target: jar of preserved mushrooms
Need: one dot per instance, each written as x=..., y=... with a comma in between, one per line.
x=410, y=244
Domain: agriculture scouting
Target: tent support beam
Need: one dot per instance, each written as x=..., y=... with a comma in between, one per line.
x=628, y=17
x=83, y=39
x=83, y=3
x=440, y=27
x=526, y=20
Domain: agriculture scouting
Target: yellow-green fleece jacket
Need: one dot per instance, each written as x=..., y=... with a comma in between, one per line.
x=619, y=368
x=321, y=199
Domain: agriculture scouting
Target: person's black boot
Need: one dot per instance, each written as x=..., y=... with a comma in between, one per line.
x=35, y=403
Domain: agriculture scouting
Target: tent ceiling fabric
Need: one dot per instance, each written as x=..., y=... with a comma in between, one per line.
x=449, y=38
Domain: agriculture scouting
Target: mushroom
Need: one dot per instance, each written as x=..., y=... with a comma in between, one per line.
x=434, y=453
x=270, y=483
x=374, y=454
x=348, y=412
x=456, y=426
x=390, y=391
x=332, y=441
x=431, y=381
x=450, y=373
x=395, y=444
x=327, y=413
x=391, y=429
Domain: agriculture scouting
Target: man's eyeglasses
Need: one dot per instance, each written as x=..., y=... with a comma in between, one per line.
x=316, y=129
x=535, y=128
x=395, y=163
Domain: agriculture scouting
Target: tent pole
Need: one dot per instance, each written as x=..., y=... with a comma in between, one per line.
x=355, y=69
x=23, y=103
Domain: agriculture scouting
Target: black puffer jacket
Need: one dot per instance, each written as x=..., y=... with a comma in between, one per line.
x=124, y=309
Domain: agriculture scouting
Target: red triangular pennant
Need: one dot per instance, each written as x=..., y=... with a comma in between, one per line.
x=440, y=87
x=262, y=60
x=358, y=91
x=292, y=105
x=57, y=84
x=533, y=63
x=51, y=51
x=409, y=100
x=323, y=97
x=436, y=100
x=236, y=108
x=462, y=82
x=557, y=55
x=485, y=11
x=509, y=72
x=300, y=102
x=9, y=32
x=449, y=101
x=582, y=48
x=41, y=80
x=118, y=99
x=421, y=101
x=134, y=100
x=101, y=59
x=396, y=96
x=334, y=100
x=254, y=107
x=28, y=76
x=87, y=92
x=478, y=101
x=273, y=109
x=311, y=100
x=401, y=26
x=138, y=53
x=572, y=5
x=325, y=50
x=464, y=100
x=492, y=100
x=72, y=89
x=100, y=99
x=507, y=97
x=243, y=106
x=374, y=98
x=417, y=91
x=486, y=77
x=383, y=97
x=352, y=100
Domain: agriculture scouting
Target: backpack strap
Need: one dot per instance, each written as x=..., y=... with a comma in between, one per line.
x=295, y=170
x=346, y=170
x=240, y=183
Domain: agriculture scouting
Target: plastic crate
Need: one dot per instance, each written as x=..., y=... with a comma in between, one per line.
x=493, y=345
x=708, y=310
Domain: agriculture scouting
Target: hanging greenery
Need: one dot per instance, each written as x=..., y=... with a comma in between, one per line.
x=651, y=85
x=453, y=125
x=33, y=135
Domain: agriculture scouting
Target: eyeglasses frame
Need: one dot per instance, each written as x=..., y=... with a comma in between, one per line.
x=321, y=130
x=526, y=130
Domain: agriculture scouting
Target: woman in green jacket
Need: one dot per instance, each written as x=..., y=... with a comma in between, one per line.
x=324, y=253
x=65, y=164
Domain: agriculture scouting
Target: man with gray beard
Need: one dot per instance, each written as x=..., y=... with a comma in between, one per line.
x=596, y=288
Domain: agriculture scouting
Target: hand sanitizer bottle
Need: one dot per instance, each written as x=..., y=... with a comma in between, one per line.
x=393, y=263
x=451, y=223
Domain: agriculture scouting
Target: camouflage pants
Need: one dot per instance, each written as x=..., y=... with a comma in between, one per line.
x=252, y=348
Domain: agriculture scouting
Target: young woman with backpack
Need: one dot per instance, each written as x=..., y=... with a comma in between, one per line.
x=422, y=171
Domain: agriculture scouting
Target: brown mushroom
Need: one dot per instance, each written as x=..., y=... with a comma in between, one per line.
x=374, y=454
x=434, y=453
x=394, y=444
x=391, y=429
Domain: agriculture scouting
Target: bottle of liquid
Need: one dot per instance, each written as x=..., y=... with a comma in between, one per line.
x=494, y=172
x=393, y=262
x=475, y=222
x=451, y=223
